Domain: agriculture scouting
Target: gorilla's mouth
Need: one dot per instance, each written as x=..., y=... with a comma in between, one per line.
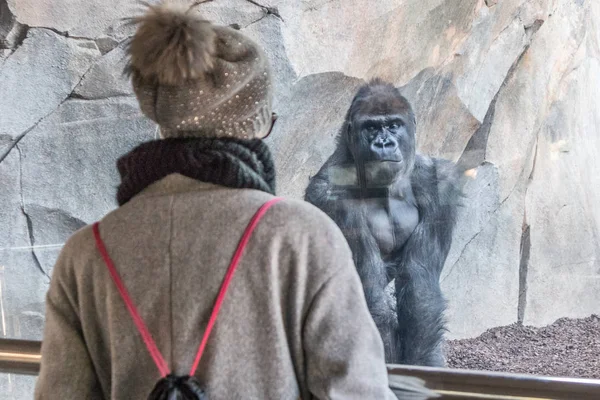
x=386, y=160
x=381, y=158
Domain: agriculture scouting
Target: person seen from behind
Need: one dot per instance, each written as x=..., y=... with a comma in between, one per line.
x=202, y=284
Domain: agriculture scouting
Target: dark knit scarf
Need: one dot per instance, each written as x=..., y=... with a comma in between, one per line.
x=229, y=162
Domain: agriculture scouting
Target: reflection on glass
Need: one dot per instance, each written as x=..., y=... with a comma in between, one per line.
x=507, y=90
x=17, y=387
x=397, y=210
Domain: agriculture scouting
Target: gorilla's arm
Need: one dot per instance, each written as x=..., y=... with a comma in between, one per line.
x=437, y=185
x=372, y=272
x=420, y=304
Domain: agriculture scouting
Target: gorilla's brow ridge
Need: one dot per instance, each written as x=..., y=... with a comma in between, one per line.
x=377, y=120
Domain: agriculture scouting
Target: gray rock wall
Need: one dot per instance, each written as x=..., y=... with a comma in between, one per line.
x=509, y=86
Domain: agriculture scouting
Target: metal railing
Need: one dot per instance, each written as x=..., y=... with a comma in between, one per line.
x=23, y=357
x=20, y=356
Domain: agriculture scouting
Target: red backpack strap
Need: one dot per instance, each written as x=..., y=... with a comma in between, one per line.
x=234, y=263
x=159, y=360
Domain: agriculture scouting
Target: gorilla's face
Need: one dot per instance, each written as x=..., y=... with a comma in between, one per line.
x=383, y=136
x=383, y=141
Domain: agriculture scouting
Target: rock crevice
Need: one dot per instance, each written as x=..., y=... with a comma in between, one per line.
x=28, y=219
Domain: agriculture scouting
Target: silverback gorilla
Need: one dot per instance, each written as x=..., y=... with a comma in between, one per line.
x=397, y=209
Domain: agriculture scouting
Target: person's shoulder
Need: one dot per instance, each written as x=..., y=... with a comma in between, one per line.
x=78, y=247
x=82, y=240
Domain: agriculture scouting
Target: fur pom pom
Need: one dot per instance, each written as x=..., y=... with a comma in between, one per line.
x=171, y=46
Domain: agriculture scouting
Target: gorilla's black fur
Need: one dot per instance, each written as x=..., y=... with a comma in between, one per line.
x=397, y=210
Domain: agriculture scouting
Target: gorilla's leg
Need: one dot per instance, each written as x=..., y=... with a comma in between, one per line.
x=420, y=309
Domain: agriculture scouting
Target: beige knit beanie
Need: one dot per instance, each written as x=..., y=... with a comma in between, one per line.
x=196, y=79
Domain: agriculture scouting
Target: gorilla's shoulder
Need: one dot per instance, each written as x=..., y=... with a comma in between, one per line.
x=439, y=178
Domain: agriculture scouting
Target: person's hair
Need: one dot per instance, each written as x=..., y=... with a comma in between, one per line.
x=173, y=387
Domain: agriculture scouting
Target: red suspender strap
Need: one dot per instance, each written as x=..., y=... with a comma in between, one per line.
x=159, y=360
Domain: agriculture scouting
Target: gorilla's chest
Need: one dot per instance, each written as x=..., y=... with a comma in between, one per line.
x=392, y=221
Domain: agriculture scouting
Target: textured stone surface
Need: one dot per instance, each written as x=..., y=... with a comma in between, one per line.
x=435, y=101
x=556, y=268
x=106, y=78
x=481, y=276
x=299, y=152
x=17, y=387
x=485, y=61
x=6, y=143
x=267, y=32
x=22, y=299
x=11, y=31
x=264, y=28
x=68, y=164
x=500, y=85
x=22, y=283
x=240, y=13
x=13, y=226
x=38, y=76
x=82, y=18
x=4, y=53
x=563, y=200
x=367, y=39
x=526, y=97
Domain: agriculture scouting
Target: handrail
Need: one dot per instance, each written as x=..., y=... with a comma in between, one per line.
x=469, y=384
x=23, y=357
x=20, y=356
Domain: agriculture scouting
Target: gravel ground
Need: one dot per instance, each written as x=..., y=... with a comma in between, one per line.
x=568, y=348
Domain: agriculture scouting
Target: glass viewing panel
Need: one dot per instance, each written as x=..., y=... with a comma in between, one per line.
x=497, y=213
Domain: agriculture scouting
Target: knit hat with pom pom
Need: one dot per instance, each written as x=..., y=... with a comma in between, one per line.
x=196, y=79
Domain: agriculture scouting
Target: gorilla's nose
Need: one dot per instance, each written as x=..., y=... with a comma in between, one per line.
x=384, y=144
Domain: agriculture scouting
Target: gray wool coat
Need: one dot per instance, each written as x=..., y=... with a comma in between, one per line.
x=294, y=323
